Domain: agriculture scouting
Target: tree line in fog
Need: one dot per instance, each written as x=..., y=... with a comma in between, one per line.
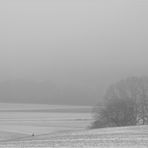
x=125, y=103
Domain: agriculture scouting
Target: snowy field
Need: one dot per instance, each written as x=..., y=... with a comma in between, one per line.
x=126, y=137
x=21, y=120
x=63, y=130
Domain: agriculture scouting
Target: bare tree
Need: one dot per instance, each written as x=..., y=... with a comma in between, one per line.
x=143, y=101
x=125, y=103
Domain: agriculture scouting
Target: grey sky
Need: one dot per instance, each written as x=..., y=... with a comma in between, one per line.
x=73, y=42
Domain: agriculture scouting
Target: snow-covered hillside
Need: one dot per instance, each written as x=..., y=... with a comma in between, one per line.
x=64, y=129
x=131, y=137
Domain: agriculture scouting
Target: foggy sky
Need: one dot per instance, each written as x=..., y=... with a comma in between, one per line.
x=82, y=44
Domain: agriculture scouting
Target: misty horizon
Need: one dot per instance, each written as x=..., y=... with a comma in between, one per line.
x=69, y=52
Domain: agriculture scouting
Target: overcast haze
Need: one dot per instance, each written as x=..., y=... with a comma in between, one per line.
x=78, y=46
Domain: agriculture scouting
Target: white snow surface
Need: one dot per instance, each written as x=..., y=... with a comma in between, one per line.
x=64, y=130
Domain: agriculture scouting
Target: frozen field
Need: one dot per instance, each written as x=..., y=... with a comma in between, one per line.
x=20, y=120
x=127, y=137
x=63, y=129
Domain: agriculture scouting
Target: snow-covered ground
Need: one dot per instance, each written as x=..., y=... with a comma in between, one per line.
x=38, y=123
x=64, y=130
x=25, y=106
x=129, y=137
x=40, y=119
